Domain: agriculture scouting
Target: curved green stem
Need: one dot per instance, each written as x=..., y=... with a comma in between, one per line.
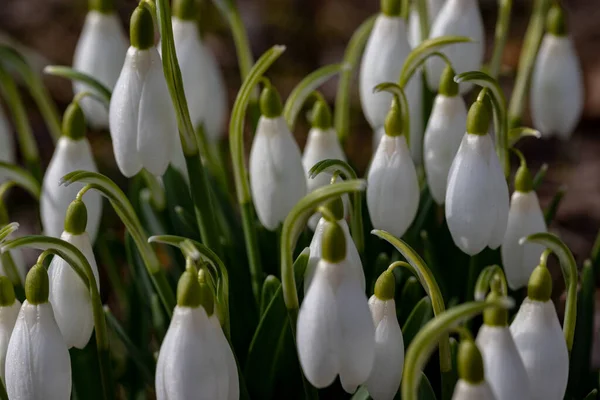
x=569, y=270
x=423, y=11
x=484, y=281
x=500, y=35
x=7, y=230
x=305, y=88
x=77, y=76
x=126, y=213
x=398, y=92
x=347, y=172
x=79, y=263
x=22, y=178
x=516, y=134
x=351, y=58
x=428, y=337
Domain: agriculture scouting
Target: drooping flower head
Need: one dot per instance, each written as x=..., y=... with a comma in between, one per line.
x=471, y=383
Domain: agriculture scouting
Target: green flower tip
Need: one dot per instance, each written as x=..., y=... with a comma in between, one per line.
x=393, y=120
x=523, y=180
x=540, y=284
x=206, y=295
x=185, y=9
x=495, y=316
x=448, y=87
x=76, y=219
x=188, y=289
x=556, y=23
x=7, y=292
x=336, y=208
x=470, y=362
x=270, y=102
x=478, y=118
x=141, y=31
x=101, y=6
x=321, y=115
x=37, y=285
x=73, y=125
x=385, y=286
x=334, y=243
x=391, y=8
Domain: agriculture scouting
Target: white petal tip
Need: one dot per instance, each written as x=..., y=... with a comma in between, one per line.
x=523, y=240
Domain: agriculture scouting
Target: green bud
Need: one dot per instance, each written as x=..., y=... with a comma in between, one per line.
x=37, y=285
x=73, y=125
x=207, y=299
x=391, y=8
x=270, y=102
x=336, y=207
x=495, y=316
x=7, y=292
x=101, y=6
x=188, y=289
x=523, y=180
x=448, y=87
x=185, y=10
x=334, y=243
x=470, y=362
x=540, y=284
x=321, y=115
x=478, y=119
x=393, y=120
x=385, y=286
x=76, y=219
x=556, y=22
x=141, y=31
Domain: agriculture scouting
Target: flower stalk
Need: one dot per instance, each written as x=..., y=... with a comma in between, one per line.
x=500, y=36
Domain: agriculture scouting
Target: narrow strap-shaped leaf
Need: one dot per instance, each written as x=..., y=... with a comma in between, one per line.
x=78, y=76
x=21, y=177
x=516, y=134
x=552, y=208
x=482, y=286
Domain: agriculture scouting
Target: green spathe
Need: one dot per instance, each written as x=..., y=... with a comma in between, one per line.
x=539, y=287
x=495, y=316
x=270, y=102
x=336, y=208
x=385, y=286
x=393, y=120
x=556, y=22
x=76, y=218
x=185, y=10
x=207, y=299
x=141, y=31
x=523, y=179
x=7, y=292
x=334, y=243
x=448, y=87
x=101, y=6
x=37, y=285
x=470, y=362
x=188, y=289
x=321, y=115
x=391, y=8
x=73, y=125
x=478, y=118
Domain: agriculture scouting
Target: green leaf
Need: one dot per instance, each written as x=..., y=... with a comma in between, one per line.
x=591, y=395
x=516, y=134
x=552, y=209
x=361, y=394
x=484, y=280
x=409, y=297
x=419, y=316
x=269, y=290
x=425, y=389
x=22, y=178
x=539, y=176
x=77, y=76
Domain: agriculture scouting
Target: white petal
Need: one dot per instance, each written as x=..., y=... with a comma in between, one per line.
x=414, y=25
x=277, y=178
x=460, y=18
x=444, y=132
x=504, y=369
x=232, y=372
x=541, y=344
x=320, y=145
x=467, y=391
x=318, y=333
x=384, y=380
x=393, y=188
x=469, y=196
x=501, y=199
x=124, y=110
x=557, y=92
x=69, y=155
x=37, y=361
x=202, y=80
x=100, y=52
x=524, y=218
x=7, y=145
x=8, y=317
x=157, y=124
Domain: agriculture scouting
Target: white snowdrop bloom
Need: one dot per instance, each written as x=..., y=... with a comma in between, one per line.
x=382, y=61
x=443, y=135
x=384, y=380
x=203, y=82
x=335, y=332
x=540, y=340
x=194, y=362
x=277, y=178
x=37, y=360
x=557, y=89
x=9, y=309
x=393, y=188
x=7, y=143
x=471, y=384
x=72, y=153
x=143, y=125
x=457, y=18
x=414, y=24
x=234, y=386
x=504, y=369
x=100, y=53
x=477, y=194
x=525, y=217
x=69, y=296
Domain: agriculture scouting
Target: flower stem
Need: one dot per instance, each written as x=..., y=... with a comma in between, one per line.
x=500, y=36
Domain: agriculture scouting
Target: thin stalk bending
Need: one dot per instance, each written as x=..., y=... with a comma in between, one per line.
x=500, y=36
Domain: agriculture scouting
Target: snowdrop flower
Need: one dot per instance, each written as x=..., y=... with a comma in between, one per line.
x=73, y=152
x=414, y=24
x=384, y=381
x=335, y=332
x=382, y=61
x=7, y=144
x=443, y=134
x=477, y=193
x=69, y=296
x=37, y=360
x=504, y=369
x=202, y=80
x=460, y=18
x=557, y=91
x=525, y=217
x=393, y=188
x=277, y=178
x=195, y=361
x=336, y=208
x=9, y=309
x=100, y=52
x=471, y=384
x=540, y=341
x=142, y=119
